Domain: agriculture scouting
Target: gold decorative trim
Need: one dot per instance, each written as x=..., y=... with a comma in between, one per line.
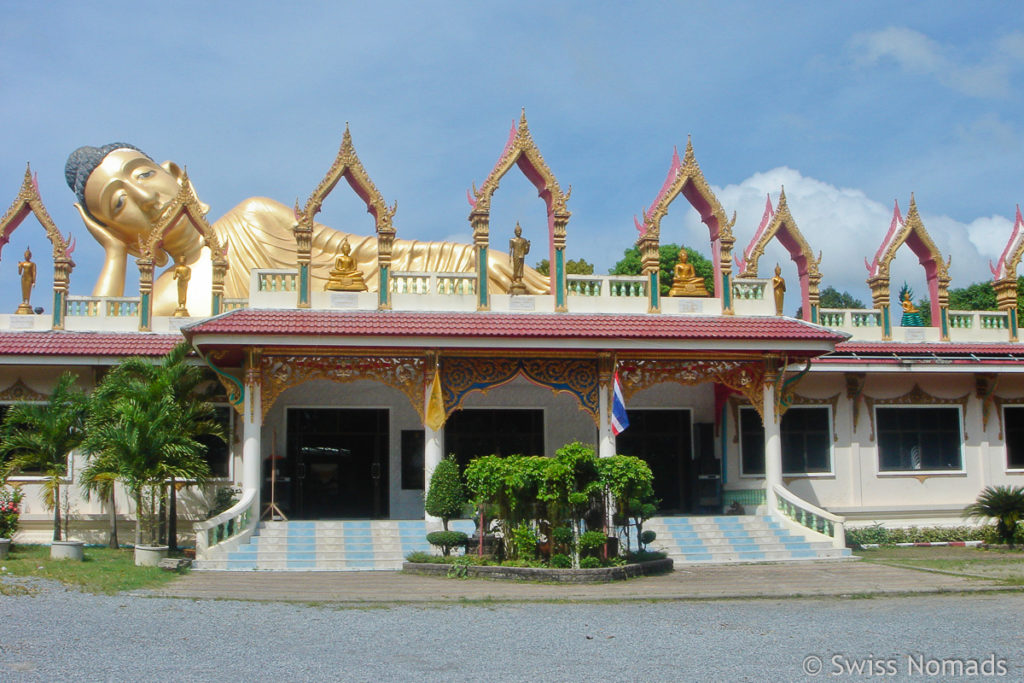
x=28, y=201
x=348, y=166
x=522, y=151
x=854, y=392
x=685, y=178
x=744, y=377
x=280, y=372
x=19, y=391
x=878, y=279
x=799, y=250
x=917, y=396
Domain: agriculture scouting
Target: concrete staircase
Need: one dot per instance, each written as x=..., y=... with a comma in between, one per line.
x=738, y=538
x=341, y=545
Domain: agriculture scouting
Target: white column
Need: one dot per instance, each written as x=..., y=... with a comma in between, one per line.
x=772, y=445
x=605, y=438
x=252, y=449
x=433, y=451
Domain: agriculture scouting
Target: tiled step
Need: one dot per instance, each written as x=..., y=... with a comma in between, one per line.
x=336, y=545
x=741, y=538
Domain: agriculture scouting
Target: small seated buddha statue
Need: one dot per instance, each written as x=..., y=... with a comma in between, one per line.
x=686, y=282
x=345, y=277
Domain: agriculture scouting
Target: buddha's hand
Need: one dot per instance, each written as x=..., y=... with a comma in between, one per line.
x=111, y=243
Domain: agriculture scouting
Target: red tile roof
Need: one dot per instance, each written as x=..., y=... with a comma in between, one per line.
x=893, y=352
x=62, y=343
x=509, y=325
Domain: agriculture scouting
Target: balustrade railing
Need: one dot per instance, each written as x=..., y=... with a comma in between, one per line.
x=607, y=285
x=866, y=318
x=277, y=280
x=230, y=524
x=102, y=306
x=749, y=289
x=233, y=304
x=811, y=516
x=84, y=306
x=448, y=284
x=994, y=321
x=832, y=318
x=961, y=321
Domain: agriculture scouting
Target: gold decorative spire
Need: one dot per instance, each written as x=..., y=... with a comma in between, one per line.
x=28, y=201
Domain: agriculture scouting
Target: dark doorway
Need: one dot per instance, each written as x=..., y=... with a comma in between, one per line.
x=663, y=439
x=339, y=460
x=474, y=432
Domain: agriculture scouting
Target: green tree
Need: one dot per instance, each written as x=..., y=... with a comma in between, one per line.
x=99, y=477
x=41, y=436
x=143, y=422
x=629, y=483
x=572, y=483
x=578, y=267
x=668, y=255
x=830, y=297
x=1005, y=504
x=980, y=296
x=445, y=496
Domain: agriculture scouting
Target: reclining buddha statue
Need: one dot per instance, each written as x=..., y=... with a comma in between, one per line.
x=122, y=194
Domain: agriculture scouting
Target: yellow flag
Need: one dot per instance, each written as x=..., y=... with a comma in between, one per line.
x=435, y=404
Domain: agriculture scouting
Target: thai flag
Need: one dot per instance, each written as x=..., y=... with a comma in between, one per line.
x=619, y=419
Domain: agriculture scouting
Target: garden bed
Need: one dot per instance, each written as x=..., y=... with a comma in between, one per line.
x=598, y=575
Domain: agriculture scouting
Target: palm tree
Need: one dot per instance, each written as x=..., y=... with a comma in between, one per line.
x=99, y=477
x=40, y=436
x=143, y=425
x=1005, y=504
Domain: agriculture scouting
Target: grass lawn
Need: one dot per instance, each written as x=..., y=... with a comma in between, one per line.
x=102, y=571
x=1004, y=565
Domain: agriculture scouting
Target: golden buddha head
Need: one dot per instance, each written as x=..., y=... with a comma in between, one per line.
x=121, y=188
x=28, y=254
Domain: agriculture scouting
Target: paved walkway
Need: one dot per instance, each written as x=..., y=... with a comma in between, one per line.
x=691, y=582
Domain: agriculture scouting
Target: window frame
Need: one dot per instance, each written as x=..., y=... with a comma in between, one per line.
x=829, y=434
x=912, y=472
x=1006, y=439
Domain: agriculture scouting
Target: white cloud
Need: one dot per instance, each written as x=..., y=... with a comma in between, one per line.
x=847, y=226
x=917, y=54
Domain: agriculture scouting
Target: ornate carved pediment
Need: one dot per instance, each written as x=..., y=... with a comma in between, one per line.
x=185, y=205
x=463, y=375
x=407, y=373
x=19, y=391
x=28, y=201
x=746, y=377
x=913, y=233
x=347, y=165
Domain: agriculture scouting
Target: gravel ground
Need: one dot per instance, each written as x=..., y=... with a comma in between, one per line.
x=59, y=634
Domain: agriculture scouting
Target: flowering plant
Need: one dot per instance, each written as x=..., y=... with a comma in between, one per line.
x=10, y=507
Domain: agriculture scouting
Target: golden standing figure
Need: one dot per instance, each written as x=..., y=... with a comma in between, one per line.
x=345, y=277
x=685, y=281
x=518, y=248
x=778, y=289
x=123, y=193
x=182, y=273
x=27, y=271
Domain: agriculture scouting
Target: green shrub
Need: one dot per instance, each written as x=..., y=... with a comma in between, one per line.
x=223, y=499
x=560, y=561
x=445, y=497
x=647, y=537
x=446, y=540
x=524, y=541
x=1005, y=504
x=646, y=556
x=590, y=563
x=591, y=542
x=10, y=508
x=562, y=535
x=876, y=533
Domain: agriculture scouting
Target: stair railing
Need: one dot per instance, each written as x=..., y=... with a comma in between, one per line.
x=229, y=529
x=811, y=516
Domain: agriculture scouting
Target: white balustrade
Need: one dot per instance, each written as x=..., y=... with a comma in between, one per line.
x=811, y=516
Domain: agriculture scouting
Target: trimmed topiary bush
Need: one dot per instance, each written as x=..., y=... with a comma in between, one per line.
x=560, y=561
x=445, y=497
x=446, y=540
x=591, y=542
x=647, y=537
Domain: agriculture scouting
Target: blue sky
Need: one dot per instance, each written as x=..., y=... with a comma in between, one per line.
x=850, y=105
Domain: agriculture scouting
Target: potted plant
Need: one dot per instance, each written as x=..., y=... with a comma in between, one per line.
x=40, y=437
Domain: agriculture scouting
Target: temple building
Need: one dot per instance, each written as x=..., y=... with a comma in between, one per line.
x=350, y=365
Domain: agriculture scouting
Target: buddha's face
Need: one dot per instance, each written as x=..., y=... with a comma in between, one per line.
x=128, y=192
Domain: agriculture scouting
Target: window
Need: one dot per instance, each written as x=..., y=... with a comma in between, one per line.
x=1013, y=429
x=913, y=439
x=806, y=441
x=474, y=432
x=218, y=452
